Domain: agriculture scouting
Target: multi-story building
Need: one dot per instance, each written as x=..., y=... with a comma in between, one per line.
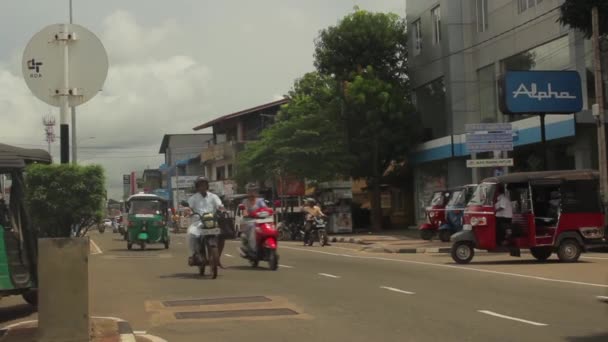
x=458, y=49
x=230, y=133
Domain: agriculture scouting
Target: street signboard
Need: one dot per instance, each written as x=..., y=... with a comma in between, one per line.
x=541, y=92
x=183, y=182
x=490, y=162
x=43, y=64
x=126, y=179
x=489, y=137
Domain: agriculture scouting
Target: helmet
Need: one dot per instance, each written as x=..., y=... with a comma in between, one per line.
x=251, y=187
x=200, y=180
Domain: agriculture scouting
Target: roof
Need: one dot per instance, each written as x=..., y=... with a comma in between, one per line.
x=521, y=177
x=165, y=143
x=17, y=157
x=147, y=197
x=242, y=112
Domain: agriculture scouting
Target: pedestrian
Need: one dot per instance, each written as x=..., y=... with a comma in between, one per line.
x=504, y=216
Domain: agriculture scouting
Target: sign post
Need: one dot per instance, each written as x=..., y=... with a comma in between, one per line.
x=64, y=65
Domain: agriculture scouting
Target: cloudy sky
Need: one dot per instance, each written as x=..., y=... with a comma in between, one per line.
x=173, y=65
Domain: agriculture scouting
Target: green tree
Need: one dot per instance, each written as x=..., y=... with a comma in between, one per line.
x=65, y=197
x=577, y=14
x=366, y=53
x=307, y=141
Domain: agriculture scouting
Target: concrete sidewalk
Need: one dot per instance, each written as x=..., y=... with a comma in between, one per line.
x=400, y=241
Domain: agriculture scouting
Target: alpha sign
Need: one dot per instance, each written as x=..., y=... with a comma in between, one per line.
x=541, y=92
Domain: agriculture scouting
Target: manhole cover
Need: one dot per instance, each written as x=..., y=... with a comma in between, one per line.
x=235, y=313
x=214, y=301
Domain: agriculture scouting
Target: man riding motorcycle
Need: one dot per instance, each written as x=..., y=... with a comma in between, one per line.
x=312, y=211
x=251, y=204
x=203, y=202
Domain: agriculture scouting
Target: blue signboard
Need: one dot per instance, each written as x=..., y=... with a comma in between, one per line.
x=541, y=92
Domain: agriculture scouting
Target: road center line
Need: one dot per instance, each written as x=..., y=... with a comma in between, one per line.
x=595, y=258
x=329, y=275
x=229, y=255
x=512, y=318
x=464, y=268
x=285, y=266
x=396, y=290
x=96, y=248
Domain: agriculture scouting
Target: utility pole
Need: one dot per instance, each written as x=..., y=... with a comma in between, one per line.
x=599, y=99
x=74, y=142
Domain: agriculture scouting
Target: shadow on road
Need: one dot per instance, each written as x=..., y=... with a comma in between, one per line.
x=247, y=268
x=521, y=262
x=11, y=313
x=193, y=275
x=592, y=338
x=135, y=250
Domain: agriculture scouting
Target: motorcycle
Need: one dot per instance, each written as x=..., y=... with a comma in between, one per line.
x=317, y=232
x=208, y=241
x=265, y=236
x=290, y=231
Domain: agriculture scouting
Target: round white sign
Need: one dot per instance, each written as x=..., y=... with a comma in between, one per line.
x=43, y=64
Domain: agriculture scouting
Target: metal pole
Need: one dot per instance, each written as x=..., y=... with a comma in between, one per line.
x=599, y=99
x=543, y=139
x=74, y=142
x=64, y=109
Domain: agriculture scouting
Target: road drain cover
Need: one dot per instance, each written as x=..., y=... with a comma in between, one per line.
x=235, y=313
x=214, y=301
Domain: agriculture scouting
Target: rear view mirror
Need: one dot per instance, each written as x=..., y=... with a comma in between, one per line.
x=184, y=204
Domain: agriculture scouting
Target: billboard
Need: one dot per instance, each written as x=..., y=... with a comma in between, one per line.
x=541, y=92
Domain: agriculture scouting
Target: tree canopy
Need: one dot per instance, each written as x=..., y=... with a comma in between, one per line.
x=63, y=197
x=577, y=14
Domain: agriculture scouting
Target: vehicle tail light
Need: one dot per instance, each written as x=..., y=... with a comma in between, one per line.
x=478, y=221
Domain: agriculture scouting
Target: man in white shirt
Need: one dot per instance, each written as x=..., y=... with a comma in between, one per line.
x=202, y=202
x=504, y=216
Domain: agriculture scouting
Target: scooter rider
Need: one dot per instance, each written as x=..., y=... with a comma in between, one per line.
x=251, y=204
x=312, y=211
x=203, y=202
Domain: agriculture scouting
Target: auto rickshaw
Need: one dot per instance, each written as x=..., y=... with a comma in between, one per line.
x=435, y=213
x=454, y=211
x=553, y=211
x=18, y=250
x=147, y=220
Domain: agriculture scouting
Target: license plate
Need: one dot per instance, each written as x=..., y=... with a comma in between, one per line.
x=321, y=225
x=214, y=231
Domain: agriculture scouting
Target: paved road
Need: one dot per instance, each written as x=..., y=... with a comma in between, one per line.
x=337, y=293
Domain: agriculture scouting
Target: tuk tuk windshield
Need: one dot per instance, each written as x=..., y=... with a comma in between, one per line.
x=484, y=194
x=437, y=199
x=458, y=198
x=147, y=207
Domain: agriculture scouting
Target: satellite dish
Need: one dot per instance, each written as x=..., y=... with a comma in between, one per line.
x=43, y=64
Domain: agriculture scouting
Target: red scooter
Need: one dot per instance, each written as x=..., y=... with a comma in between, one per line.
x=266, y=236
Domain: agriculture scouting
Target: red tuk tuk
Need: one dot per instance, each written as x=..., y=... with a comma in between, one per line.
x=435, y=213
x=553, y=211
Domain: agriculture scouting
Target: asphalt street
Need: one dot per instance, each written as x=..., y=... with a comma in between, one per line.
x=338, y=293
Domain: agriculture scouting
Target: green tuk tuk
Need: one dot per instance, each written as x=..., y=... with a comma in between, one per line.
x=18, y=249
x=148, y=220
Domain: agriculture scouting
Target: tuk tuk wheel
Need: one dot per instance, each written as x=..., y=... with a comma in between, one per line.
x=426, y=234
x=166, y=244
x=31, y=297
x=569, y=250
x=129, y=246
x=444, y=235
x=541, y=253
x=143, y=246
x=463, y=252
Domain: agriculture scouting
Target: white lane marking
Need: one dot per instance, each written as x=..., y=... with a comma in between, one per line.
x=96, y=248
x=329, y=275
x=17, y=324
x=596, y=258
x=139, y=332
x=452, y=267
x=603, y=298
x=397, y=290
x=512, y=318
x=285, y=266
x=229, y=255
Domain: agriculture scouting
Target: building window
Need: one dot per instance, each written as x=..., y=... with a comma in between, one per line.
x=230, y=171
x=482, y=15
x=417, y=37
x=436, y=15
x=431, y=104
x=523, y=5
x=487, y=94
x=220, y=173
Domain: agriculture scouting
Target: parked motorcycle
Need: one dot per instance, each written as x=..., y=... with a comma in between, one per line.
x=318, y=232
x=290, y=231
x=265, y=236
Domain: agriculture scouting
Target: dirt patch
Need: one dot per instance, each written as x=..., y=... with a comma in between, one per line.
x=102, y=330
